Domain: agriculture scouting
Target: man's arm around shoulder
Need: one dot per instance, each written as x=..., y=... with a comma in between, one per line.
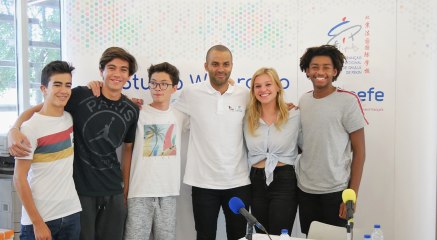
x=18, y=144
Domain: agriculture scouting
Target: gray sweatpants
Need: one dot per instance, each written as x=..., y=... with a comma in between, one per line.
x=151, y=216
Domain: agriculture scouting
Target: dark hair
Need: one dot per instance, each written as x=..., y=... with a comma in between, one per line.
x=330, y=51
x=115, y=52
x=53, y=68
x=165, y=67
x=220, y=48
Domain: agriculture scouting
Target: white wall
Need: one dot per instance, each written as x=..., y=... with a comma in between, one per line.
x=415, y=138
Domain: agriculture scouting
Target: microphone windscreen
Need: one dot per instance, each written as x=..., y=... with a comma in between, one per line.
x=349, y=195
x=235, y=204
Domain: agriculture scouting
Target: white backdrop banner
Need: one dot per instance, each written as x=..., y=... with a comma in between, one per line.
x=273, y=33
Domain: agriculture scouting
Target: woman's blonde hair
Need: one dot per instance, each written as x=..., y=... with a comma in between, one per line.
x=254, y=109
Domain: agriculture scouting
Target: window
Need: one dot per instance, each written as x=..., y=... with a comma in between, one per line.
x=43, y=42
x=8, y=72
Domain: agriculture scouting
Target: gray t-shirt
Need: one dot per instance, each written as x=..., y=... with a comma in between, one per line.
x=325, y=164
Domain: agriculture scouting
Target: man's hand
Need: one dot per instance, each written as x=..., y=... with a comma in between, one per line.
x=343, y=211
x=95, y=87
x=139, y=102
x=291, y=106
x=18, y=144
x=42, y=232
x=231, y=81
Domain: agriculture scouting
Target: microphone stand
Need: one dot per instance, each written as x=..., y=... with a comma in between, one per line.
x=349, y=230
x=350, y=220
x=249, y=230
x=250, y=227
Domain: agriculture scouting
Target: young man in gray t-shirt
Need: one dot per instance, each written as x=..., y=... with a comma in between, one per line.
x=333, y=140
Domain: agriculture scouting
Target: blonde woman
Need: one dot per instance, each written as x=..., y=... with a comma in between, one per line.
x=271, y=132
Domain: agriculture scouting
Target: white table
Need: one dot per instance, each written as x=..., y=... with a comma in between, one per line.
x=257, y=236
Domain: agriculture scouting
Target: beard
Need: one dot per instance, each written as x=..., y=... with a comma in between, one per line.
x=219, y=81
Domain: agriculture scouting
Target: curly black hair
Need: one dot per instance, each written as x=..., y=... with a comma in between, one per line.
x=330, y=51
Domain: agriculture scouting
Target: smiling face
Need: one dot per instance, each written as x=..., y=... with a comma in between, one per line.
x=265, y=89
x=321, y=72
x=219, y=68
x=115, y=75
x=58, y=90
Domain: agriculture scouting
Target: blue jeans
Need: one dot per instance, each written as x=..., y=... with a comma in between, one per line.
x=62, y=228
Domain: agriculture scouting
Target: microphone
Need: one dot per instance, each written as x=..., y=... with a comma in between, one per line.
x=237, y=206
x=349, y=198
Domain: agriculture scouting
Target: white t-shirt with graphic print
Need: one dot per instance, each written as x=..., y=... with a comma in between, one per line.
x=156, y=162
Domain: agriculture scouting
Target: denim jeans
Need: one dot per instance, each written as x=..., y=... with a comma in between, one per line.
x=206, y=207
x=67, y=228
x=274, y=206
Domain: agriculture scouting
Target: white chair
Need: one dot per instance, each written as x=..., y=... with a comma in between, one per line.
x=323, y=231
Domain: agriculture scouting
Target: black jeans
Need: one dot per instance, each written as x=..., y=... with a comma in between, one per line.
x=323, y=208
x=102, y=217
x=206, y=207
x=275, y=205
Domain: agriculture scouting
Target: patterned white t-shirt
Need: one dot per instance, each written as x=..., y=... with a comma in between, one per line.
x=156, y=162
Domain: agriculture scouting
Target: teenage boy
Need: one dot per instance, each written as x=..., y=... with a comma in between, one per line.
x=154, y=180
x=101, y=125
x=44, y=179
x=333, y=140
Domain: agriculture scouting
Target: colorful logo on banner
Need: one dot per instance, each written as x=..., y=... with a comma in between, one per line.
x=345, y=36
x=353, y=39
x=343, y=31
